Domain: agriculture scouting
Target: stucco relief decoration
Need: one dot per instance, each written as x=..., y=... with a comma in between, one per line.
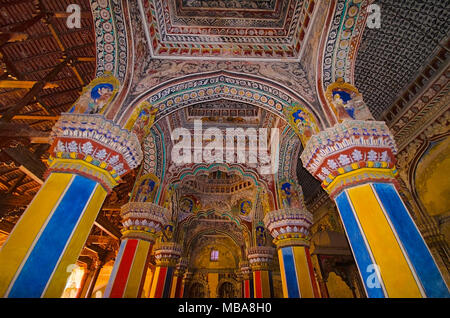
x=147, y=186
x=96, y=96
x=301, y=121
x=347, y=102
x=142, y=120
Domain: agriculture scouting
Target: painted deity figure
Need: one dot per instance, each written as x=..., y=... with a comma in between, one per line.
x=345, y=110
x=145, y=191
x=144, y=122
x=186, y=205
x=260, y=236
x=301, y=121
x=346, y=102
x=289, y=196
x=246, y=207
x=95, y=100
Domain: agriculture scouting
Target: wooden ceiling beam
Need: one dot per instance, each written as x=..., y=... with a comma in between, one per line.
x=32, y=93
x=27, y=162
x=24, y=84
x=16, y=183
x=105, y=225
x=15, y=130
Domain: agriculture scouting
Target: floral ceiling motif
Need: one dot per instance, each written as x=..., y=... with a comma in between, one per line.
x=269, y=29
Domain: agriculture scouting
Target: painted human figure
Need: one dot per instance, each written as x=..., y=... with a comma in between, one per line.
x=246, y=206
x=100, y=95
x=145, y=190
x=94, y=102
x=289, y=196
x=144, y=122
x=260, y=236
x=343, y=110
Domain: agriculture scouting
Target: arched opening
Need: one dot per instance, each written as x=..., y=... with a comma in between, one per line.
x=226, y=290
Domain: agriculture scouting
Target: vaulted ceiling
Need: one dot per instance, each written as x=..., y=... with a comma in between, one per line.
x=266, y=29
x=390, y=58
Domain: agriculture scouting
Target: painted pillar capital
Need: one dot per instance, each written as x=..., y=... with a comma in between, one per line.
x=92, y=146
x=167, y=253
x=143, y=220
x=289, y=227
x=350, y=153
x=260, y=257
x=245, y=270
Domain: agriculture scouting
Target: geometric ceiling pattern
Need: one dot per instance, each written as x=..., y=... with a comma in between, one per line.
x=390, y=57
x=263, y=30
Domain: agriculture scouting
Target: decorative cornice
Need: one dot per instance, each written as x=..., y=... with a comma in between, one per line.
x=143, y=219
x=167, y=253
x=97, y=142
x=260, y=257
x=290, y=226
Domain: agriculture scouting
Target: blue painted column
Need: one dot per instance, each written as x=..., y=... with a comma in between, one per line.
x=290, y=229
x=51, y=233
x=355, y=160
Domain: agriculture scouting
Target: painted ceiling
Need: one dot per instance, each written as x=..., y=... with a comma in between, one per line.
x=389, y=58
x=263, y=30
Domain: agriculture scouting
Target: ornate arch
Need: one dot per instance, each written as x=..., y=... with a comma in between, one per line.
x=193, y=89
x=240, y=243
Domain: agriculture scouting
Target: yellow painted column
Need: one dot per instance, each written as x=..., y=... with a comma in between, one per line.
x=52, y=231
x=260, y=259
x=355, y=161
x=167, y=255
x=141, y=223
x=290, y=228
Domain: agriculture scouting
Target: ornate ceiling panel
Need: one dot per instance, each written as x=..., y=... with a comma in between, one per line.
x=390, y=57
x=267, y=29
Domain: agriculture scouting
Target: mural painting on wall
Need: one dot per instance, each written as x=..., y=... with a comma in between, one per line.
x=290, y=196
x=142, y=120
x=146, y=189
x=301, y=121
x=96, y=96
x=260, y=236
x=346, y=102
x=189, y=204
x=245, y=207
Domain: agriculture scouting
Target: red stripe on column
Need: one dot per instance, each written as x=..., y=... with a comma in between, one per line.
x=311, y=274
x=126, y=261
x=161, y=280
x=247, y=288
x=258, y=287
x=178, y=289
